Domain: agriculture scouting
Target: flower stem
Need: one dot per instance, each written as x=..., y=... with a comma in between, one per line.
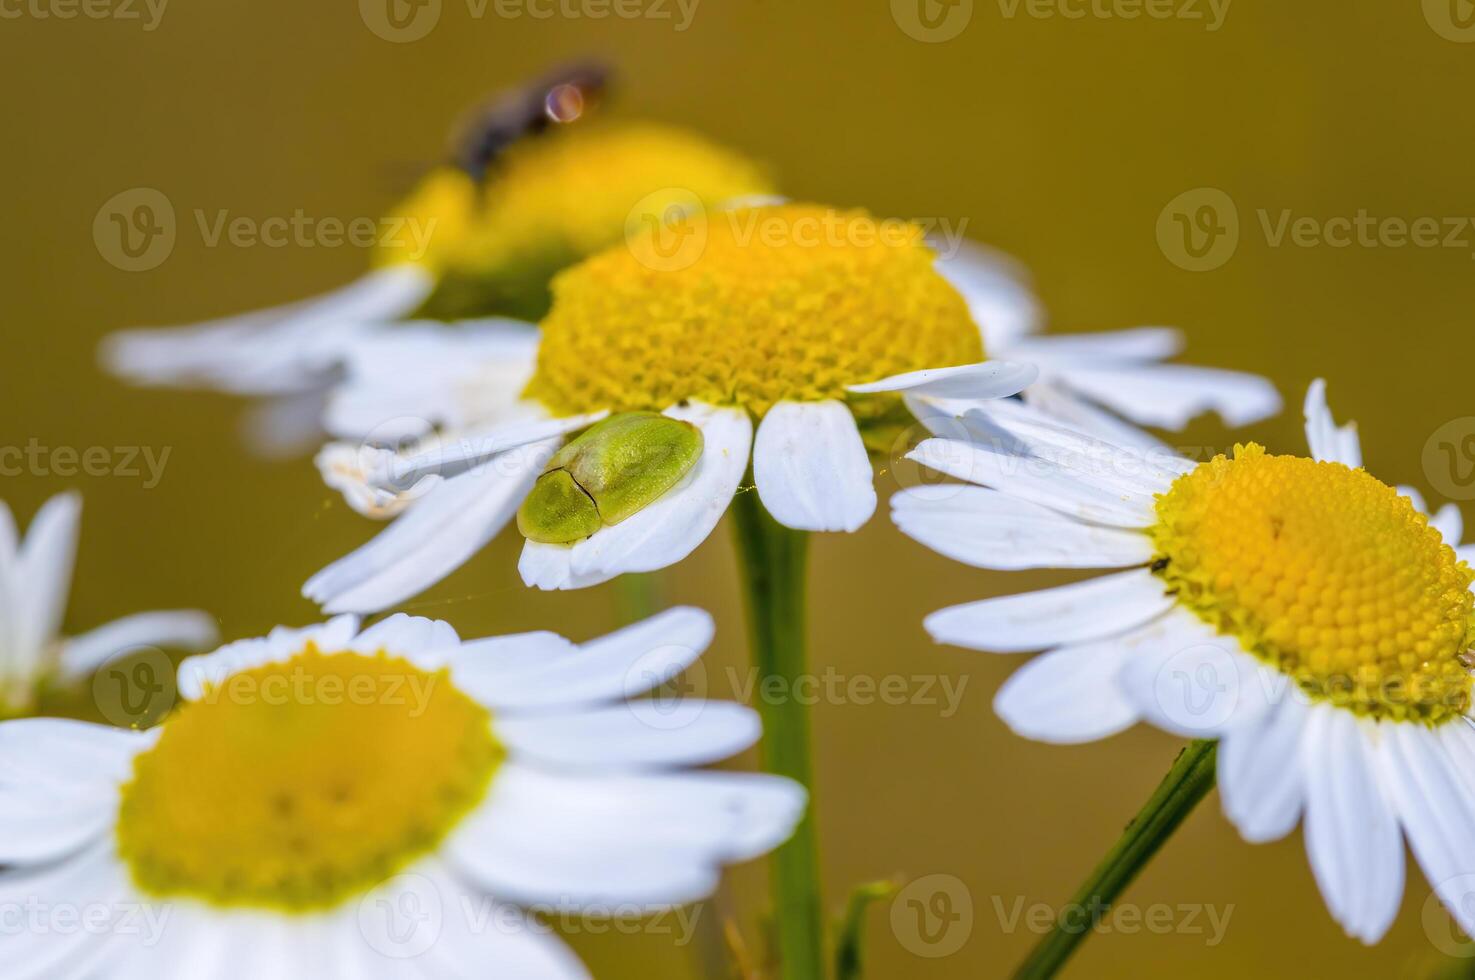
x=1189, y=781
x=637, y=596
x=773, y=557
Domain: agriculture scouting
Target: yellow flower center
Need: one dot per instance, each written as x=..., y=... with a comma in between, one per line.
x=749, y=307
x=553, y=200
x=297, y=785
x=1326, y=574
x=431, y=226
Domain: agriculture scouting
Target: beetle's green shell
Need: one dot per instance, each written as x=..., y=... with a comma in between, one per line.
x=613, y=470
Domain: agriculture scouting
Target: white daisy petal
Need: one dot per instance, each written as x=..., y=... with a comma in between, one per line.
x=88, y=880
x=186, y=629
x=281, y=349
x=647, y=840
x=402, y=634
x=1188, y=680
x=1059, y=402
x=1435, y=804
x=637, y=735
x=1129, y=346
x=1068, y=695
x=1090, y=610
x=44, y=571
x=180, y=950
x=495, y=658
x=439, y=534
x=10, y=595
x=212, y=669
x=988, y=379
x=379, y=482
x=1352, y=836
x=667, y=530
x=1169, y=396
x=996, y=291
x=424, y=375
x=811, y=467
x=65, y=756
x=1327, y=442
x=988, y=529
x=1144, y=465
x=488, y=938
x=36, y=827
x=1261, y=783
x=626, y=663
x=1466, y=553
x=456, y=453
x=1089, y=494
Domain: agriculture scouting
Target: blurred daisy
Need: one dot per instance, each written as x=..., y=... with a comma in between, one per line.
x=381, y=803
x=35, y=578
x=807, y=321
x=1312, y=618
x=479, y=237
x=1106, y=383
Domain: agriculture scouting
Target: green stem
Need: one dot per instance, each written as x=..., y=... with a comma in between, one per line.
x=773, y=557
x=1189, y=781
x=637, y=596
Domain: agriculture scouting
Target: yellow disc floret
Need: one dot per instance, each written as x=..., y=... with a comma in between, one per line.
x=297, y=785
x=749, y=307
x=431, y=226
x=555, y=199
x=1326, y=574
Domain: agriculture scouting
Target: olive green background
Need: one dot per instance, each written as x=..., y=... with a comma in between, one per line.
x=1060, y=139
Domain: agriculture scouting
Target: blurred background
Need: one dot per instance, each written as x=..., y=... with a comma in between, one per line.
x=1066, y=140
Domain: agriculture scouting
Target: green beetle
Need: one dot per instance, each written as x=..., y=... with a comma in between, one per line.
x=613, y=470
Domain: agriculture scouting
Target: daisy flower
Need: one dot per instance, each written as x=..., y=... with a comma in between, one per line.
x=479, y=237
x=380, y=803
x=1106, y=383
x=1310, y=617
x=786, y=335
x=35, y=577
